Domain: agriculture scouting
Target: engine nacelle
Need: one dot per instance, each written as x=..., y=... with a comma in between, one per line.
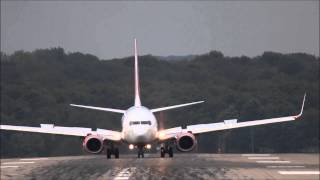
x=186, y=142
x=93, y=144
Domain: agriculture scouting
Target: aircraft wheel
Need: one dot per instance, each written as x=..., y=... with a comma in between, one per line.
x=170, y=152
x=140, y=152
x=116, y=153
x=108, y=153
x=162, y=152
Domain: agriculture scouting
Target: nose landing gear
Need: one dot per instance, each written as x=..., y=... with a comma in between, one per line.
x=141, y=151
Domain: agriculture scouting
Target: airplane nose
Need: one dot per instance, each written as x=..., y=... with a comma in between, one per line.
x=140, y=131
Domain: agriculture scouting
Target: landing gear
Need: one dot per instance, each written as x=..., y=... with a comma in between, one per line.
x=116, y=153
x=109, y=153
x=112, y=150
x=170, y=152
x=165, y=148
x=162, y=152
x=140, y=151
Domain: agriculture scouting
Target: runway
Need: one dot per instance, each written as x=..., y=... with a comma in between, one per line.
x=182, y=166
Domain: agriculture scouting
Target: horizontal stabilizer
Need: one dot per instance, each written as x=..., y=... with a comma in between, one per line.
x=99, y=108
x=175, y=106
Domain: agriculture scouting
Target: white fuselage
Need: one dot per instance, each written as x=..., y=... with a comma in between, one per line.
x=139, y=126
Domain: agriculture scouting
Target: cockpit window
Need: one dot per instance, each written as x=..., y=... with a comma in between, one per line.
x=146, y=122
x=139, y=122
x=134, y=122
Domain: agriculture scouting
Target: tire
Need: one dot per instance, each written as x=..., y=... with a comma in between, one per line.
x=108, y=153
x=116, y=153
x=170, y=152
x=162, y=152
x=140, y=153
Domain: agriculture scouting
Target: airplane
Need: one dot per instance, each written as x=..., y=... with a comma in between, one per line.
x=140, y=127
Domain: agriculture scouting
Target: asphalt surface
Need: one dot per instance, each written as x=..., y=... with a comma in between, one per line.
x=182, y=166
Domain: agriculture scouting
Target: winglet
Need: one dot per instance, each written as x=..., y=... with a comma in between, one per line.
x=302, y=107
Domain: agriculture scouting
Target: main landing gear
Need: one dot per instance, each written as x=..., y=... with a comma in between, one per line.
x=112, y=150
x=165, y=148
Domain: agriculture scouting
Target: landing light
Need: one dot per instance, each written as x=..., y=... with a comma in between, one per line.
x=131, y=146
x=148, y=146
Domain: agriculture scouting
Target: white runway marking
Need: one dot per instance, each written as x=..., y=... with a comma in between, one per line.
x=124, y=174
x=34, y=159
x=255, y=154
x=263, y=157
x=285, y=166
x=299, y=172
x=8, y=167
x=278, y=162
x=19, y=162
x=121, y=177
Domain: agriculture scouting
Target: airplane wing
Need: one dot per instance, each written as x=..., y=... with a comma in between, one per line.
x=70, y=131
x=226, y=124
x=99, y=108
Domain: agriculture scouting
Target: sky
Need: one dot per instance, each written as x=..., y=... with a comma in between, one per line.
x=107, y=29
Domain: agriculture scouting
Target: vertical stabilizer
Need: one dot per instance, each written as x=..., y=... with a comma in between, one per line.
x=137, y=101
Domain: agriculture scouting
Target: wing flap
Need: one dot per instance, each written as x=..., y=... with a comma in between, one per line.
x=203, y=128
x=70, y=131
x=211, y=127
x=226, y=124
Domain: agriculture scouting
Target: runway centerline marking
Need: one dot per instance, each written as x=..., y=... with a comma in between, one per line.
x=263, y=157
x=255, y=154
x=18, y=162
x=34, y=159
x=2, y=167
x=285, y=166
x=299, y=172
x=280, y=162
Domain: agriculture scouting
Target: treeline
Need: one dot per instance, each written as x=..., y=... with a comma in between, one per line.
x=37, y=88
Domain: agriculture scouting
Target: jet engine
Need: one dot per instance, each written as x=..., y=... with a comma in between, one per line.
x=93, y=144
x=186, y=142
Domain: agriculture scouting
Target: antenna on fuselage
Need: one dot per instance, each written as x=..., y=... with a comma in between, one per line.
x=137, y=101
